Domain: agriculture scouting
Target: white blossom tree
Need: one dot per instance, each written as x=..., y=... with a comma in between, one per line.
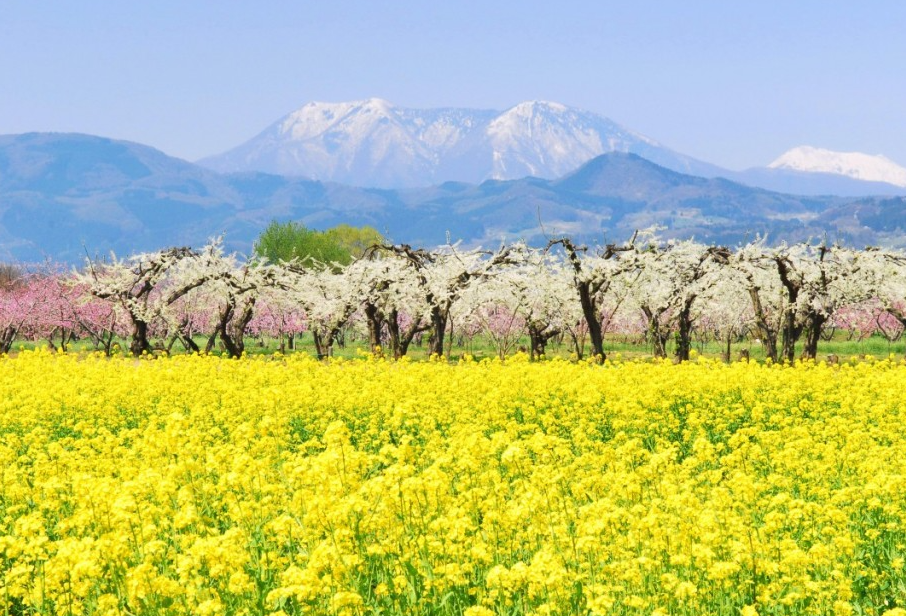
x=592, y=277
x=327, y=297
x=817, y=279
x=440, y=276
x=134, y=284
x=669, y=279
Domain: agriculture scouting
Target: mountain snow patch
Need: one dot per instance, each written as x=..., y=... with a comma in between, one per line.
x=850, y=164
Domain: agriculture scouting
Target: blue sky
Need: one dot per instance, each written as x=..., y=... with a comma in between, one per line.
x=733, y=83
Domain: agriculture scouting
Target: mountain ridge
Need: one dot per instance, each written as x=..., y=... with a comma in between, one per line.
x=372, y=142
x=64, y=195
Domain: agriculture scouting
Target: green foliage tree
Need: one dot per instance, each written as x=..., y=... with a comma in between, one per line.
x=283, y=241
x=355, y=239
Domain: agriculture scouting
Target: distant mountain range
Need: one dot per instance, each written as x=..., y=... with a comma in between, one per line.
x=63, y=196
x=374, y=143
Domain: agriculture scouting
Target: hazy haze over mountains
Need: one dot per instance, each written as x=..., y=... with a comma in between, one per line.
x=65, y=195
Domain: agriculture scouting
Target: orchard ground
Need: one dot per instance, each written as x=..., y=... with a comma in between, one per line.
x=840, y=346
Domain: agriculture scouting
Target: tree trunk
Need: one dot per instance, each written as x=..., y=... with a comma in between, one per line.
x=139, y=342
x=7, y=336
x=183, y=334
x=656, y=335
x=212, y=340
x=232, y=330
x=50, y=337
x=400, y=339
x=438, y=331
x=536, y=343
x=107, y=343
x=589, y=311
x=233, y=347
x=188, y=344
x=374, y=319
x=449, y=340
x=790, y=335
x=766, y=333
x=791, y=332
x=684, y=334
x=658, y=341
x=538, y=338
x=901, y=318
x=813, y=335
x=322, y=343
x=578, y=344
x=66, y=336
x=397, y=347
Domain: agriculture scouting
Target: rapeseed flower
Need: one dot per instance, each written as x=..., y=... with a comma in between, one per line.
x=290, y=486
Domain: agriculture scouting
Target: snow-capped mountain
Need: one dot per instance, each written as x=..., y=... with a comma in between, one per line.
x=375, y=143
x=850, y=164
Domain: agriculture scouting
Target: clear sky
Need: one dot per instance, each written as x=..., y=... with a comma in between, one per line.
x=731, y=82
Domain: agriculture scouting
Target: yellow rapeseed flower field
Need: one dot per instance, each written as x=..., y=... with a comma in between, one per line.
x=199, y=485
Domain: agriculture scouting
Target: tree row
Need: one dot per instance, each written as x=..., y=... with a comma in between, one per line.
x=656, y=291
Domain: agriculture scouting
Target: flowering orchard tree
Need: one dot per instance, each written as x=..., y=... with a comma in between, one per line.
x=757, y=277
x=48, y=304
x=17, y=305
x=817, y=280
x=886, y=272
x=796, y=289
x=277, y=316
x=171, y=289
x=890, y=327
x=38, y=305
x=538, y=290
x=134, y=285
x=227, y=288
x=56, y=308
x=867, y=318
x=592, y=276
x=391, y=301
x=724, y=310
x=99, y=320
x=191, y=315
x=440, y=277
x=328, y=299
x=668, y=280
x=493, y=308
